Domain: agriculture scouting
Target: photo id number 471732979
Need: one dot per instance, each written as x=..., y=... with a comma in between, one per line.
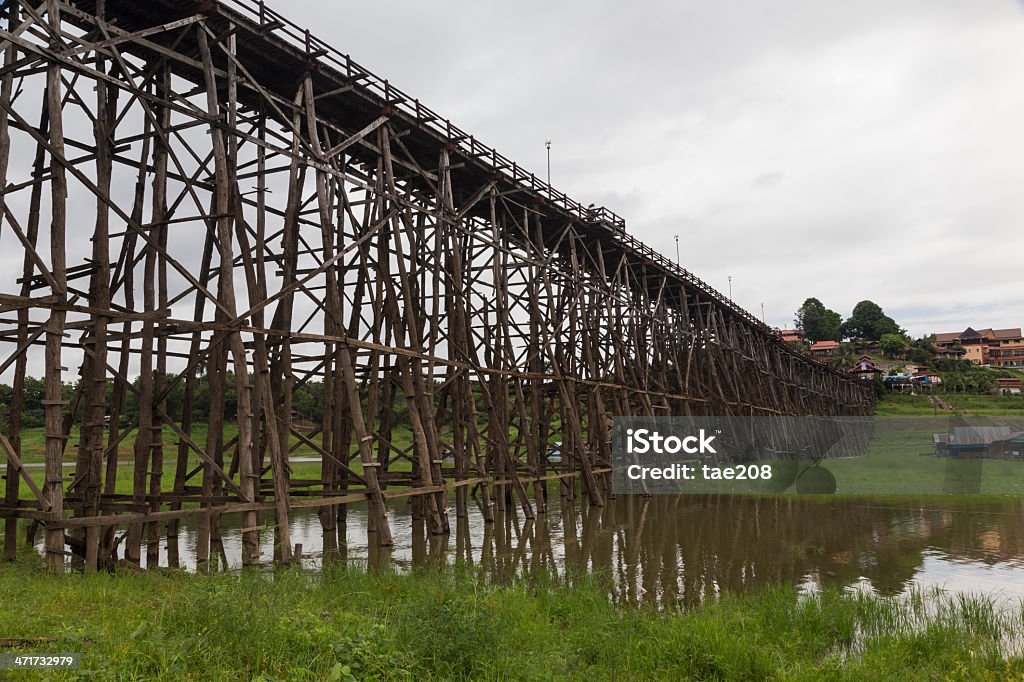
x=13, y=661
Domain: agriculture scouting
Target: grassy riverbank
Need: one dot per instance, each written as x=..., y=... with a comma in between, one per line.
x=346, y=624
x=894, y=404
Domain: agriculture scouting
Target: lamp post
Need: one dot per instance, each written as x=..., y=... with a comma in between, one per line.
x=677, y=250
x=547, y=144
x=762, y=313
x=730, y=287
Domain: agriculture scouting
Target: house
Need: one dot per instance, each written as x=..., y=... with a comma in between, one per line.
x=824, y=349
x=980, y=441
x=867, y=346
x=1009, y=385
x=866, y=368
x=971, y=341
x=925, y=377
x=791, y=335
x=995, y=347
x=898, y=382
x=1007, y=350
x=972, y=441
x=1011, y=447
x=948, y=352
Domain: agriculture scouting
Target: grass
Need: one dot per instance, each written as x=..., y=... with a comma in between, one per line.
x=892, y=465
x=33, y=443
x=899, y=460
x=124, y=486
x=299, y=470
x=347, y=624
x=33, y=448
x=894, y=404
x=991, y=405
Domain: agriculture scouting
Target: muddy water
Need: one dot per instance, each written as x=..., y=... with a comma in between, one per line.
x=670, y=549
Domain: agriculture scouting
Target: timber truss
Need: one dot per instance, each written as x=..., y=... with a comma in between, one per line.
x=200, y=193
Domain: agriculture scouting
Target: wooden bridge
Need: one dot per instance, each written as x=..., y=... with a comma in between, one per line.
x=207, y=203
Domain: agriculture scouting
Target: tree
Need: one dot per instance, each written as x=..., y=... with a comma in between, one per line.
x=894, y=345
x=922, y=350
x=844, y=357
x=816, y=322
x=869, y=322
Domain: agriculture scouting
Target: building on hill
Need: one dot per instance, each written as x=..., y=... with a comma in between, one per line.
x=995, y=347
x=972, y=342
x=866, y=368
x=1007, y=352
x=898, y=382
x=948, y=352
x=867, y=346
x=1009, y=385
x=925, y=378
x=824, y=349
x=791, y=335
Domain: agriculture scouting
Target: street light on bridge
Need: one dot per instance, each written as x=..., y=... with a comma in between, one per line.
x=547, y=144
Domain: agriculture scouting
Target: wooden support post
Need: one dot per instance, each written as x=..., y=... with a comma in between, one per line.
x=225, y=174
x=11, y=478
x=53, y=417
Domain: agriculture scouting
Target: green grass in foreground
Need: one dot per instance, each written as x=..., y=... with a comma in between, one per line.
x=346, y=624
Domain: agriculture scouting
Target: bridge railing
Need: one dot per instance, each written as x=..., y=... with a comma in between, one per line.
x=315, y=49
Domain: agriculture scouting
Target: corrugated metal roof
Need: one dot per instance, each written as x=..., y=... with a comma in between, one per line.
x=979, y=435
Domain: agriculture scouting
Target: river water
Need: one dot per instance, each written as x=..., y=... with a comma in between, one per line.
x=684, y=549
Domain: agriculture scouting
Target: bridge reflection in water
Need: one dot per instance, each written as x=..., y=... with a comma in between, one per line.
x=684, y=549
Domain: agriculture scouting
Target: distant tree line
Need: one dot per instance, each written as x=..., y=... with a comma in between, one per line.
x=869, y=327
x=307, y=404
x=867, y=323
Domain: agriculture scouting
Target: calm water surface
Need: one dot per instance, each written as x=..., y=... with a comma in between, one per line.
x=683, y=549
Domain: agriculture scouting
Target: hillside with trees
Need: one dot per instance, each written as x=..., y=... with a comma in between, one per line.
x=868, y=330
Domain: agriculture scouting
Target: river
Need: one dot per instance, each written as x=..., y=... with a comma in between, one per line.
x=684, y=549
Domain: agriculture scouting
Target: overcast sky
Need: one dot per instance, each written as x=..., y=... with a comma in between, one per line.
x=843, y=150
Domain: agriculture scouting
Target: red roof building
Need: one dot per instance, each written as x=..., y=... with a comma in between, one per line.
x=1009, y=385
x=996, y=347
x=791, y=335
x=866, y=368
x=824, y=348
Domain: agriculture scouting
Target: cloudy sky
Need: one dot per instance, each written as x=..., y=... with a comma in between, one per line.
x=804, y=147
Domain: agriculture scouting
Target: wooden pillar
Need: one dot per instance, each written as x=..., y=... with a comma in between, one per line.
x=54, y=402
x=225, y=172
x=12, y=477
x=94, y=376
